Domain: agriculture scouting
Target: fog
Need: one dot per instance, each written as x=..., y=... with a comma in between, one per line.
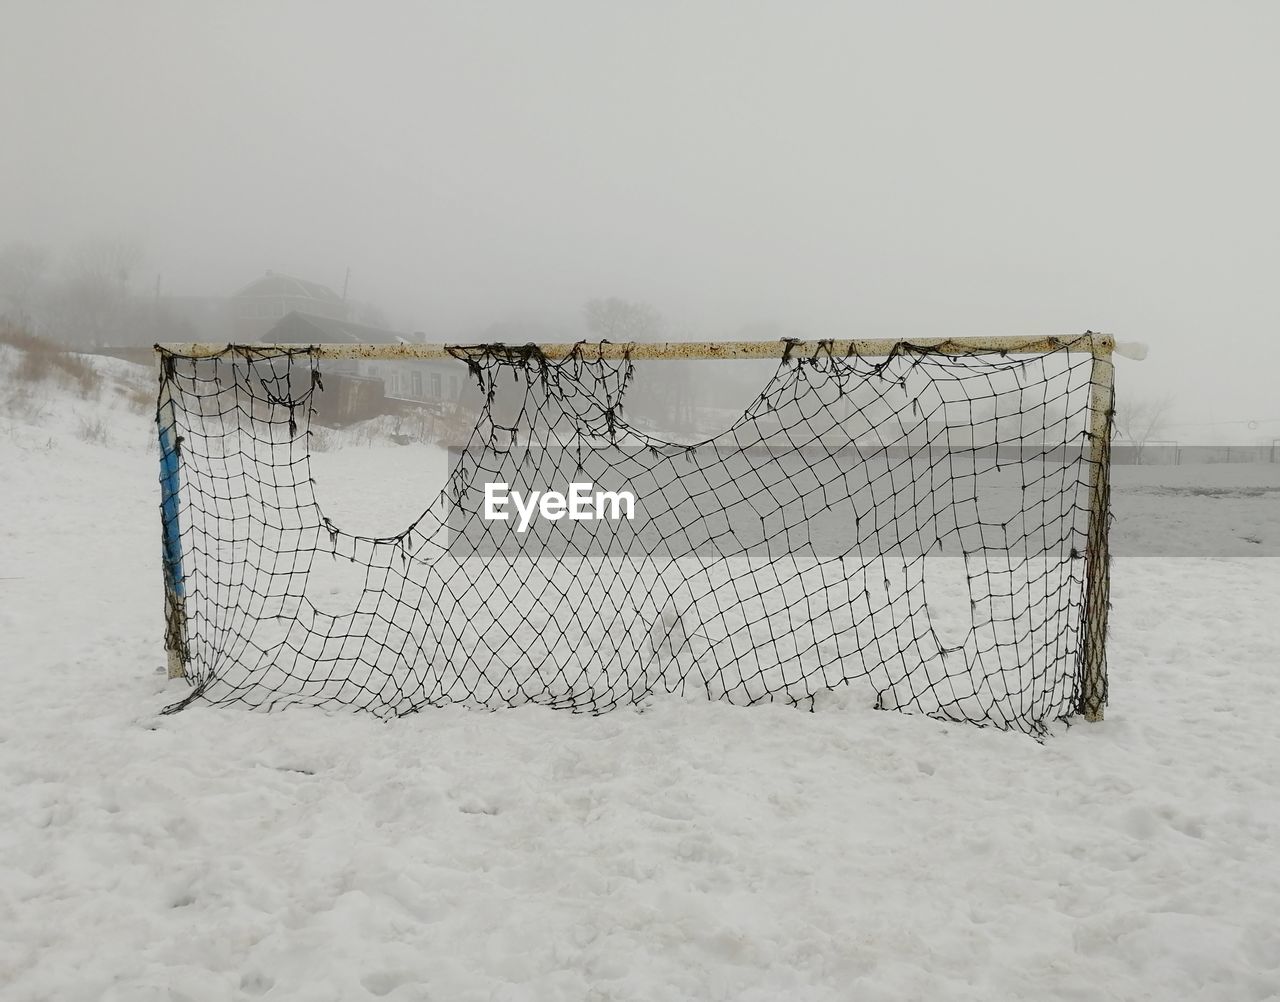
x=824, y=170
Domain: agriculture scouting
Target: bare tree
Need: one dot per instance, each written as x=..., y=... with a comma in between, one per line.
x=1137, y=420
x=668, y=401
x=22, y=266
x=93, y=304
x=620, y=320
x=110, y=260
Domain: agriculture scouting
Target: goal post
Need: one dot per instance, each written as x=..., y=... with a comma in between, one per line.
x=792, y=553
x=171, y=527
x=1097, y=602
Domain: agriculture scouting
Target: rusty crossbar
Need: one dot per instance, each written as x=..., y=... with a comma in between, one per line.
x=1096, y=344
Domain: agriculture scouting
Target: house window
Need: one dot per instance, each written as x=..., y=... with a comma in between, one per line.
x=453, y=387
x=417, y=384
x=435, y=385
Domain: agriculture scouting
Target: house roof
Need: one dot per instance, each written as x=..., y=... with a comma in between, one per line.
x=275, y=284
x=307, y=328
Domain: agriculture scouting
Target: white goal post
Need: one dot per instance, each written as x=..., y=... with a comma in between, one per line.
x=1092, y=688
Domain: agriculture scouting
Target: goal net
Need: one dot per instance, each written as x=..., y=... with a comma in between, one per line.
x=923, y=522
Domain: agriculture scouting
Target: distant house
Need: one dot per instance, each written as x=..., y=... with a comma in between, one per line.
x=424, y=382
x=263, y=303
x=244, y=317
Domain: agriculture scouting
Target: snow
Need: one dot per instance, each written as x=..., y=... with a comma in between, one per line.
x=1134, y=350
x=696, y=850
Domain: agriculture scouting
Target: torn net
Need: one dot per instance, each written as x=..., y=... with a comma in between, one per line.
x=915, y=525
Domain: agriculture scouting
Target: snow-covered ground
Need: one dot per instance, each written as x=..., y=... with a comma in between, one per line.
x=693, y=851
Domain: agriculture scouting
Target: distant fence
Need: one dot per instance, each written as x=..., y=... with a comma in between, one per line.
x=1161, y=453
x=1171, y=454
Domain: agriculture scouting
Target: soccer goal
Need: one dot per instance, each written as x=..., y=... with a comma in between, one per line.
x=924, y=522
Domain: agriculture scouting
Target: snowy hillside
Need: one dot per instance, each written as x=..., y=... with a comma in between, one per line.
x=693, y=851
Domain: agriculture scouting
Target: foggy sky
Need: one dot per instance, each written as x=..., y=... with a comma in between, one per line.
x=839, y=169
